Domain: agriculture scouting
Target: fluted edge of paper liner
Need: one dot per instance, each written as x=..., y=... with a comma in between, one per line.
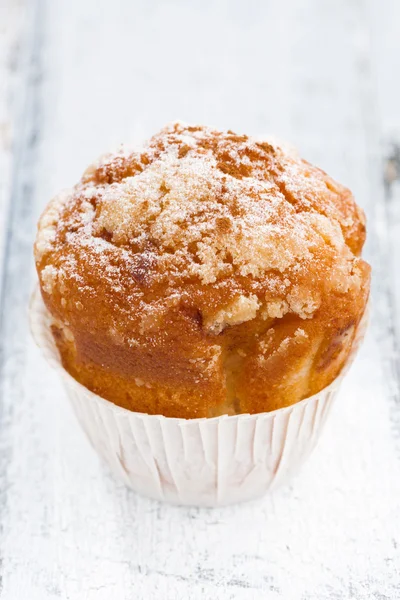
x=197, y=462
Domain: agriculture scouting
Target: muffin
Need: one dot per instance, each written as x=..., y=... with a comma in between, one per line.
x=206, y=274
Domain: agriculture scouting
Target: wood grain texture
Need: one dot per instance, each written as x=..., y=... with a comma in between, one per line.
x=93, y=74
x=12, y=27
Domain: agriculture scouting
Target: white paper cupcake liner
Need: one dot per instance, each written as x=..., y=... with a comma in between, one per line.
x=198, y=462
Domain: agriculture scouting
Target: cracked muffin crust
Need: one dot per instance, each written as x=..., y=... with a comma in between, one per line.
x=207, y=273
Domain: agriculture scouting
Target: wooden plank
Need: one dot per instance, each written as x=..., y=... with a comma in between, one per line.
x=95, y=76
x=11, y=30
x=385, y=45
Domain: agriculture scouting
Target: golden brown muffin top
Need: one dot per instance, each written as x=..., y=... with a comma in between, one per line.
x=215, y=209
x=193, y=235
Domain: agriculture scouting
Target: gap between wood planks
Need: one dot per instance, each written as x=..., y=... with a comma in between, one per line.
x=383, y=217
x=391, y=185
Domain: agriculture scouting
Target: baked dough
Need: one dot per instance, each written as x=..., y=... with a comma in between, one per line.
x=207, y=273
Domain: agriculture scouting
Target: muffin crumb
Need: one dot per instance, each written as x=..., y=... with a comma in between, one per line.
x=242, y=309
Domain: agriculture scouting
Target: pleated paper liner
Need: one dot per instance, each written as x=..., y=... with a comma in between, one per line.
x=199, y=462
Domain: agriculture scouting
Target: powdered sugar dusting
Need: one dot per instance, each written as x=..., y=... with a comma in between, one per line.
x=47, y=227
x=210, y=206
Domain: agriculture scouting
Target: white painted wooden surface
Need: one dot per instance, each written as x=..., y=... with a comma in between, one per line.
x=76, y=78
